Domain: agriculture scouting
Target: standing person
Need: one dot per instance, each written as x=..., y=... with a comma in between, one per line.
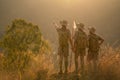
x=80, y=45
x=64, y=37
x=94, y=45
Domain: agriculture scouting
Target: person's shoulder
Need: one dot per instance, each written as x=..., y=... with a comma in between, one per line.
x=91, y=36
x=99, y=37
x=96, y=35
x=84, y=33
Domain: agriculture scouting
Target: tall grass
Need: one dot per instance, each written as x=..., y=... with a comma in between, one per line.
x=43, y=65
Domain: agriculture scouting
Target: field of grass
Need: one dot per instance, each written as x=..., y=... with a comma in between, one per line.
x=45, y=67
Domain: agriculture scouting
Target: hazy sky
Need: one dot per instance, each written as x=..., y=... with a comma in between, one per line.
x=102, y=14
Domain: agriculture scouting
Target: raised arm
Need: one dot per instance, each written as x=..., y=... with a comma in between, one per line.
x=56, y=26
x=101, y=40
x=70, y=40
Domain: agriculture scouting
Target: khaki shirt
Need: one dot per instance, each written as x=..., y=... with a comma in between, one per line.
x=80, y=39
x=64, y=36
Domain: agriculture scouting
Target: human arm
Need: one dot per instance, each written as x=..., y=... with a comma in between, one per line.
x=101, y=40
x=70, y=39
x=56, y=26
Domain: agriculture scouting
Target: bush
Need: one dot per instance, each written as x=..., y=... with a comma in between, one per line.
x=20, y=42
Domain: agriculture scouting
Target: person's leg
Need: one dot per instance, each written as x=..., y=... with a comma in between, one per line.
x=95, y=65
x=66, y=63
x=76, y=63
x=95, y=61
x=60, y=63
x=82, y=64
x=83, y=53
x=89, y=61
x=89, y=66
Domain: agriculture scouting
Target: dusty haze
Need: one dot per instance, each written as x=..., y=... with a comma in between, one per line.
x=102, y=14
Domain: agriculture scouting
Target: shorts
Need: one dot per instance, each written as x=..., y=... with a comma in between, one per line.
x=63, y=51
x=80, y=52
x=92, y=55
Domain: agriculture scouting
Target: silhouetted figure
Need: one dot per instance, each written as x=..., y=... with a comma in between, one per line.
x=80, y=45
x=94, y=46
x=64, y=37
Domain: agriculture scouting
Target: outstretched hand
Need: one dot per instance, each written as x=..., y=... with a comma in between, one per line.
x=55, y=25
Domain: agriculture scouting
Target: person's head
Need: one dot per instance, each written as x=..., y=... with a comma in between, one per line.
x=92, y=30
x=80, y=26
x=64, y=23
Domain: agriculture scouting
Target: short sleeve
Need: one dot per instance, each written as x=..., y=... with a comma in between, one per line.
x=69, y=34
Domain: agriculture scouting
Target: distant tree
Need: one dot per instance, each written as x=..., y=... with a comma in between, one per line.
x=21, y=39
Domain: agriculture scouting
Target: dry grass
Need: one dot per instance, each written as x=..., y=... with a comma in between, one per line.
x=43, y=66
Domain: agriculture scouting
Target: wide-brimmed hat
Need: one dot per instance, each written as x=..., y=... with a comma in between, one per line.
x=80, y=25
x=91, y=29
x=63, y=22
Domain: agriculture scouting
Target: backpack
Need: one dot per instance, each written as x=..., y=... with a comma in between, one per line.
x=81, y=39
x=94, y=43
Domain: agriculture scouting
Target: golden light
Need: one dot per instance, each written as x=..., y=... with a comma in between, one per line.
x=68, y=1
